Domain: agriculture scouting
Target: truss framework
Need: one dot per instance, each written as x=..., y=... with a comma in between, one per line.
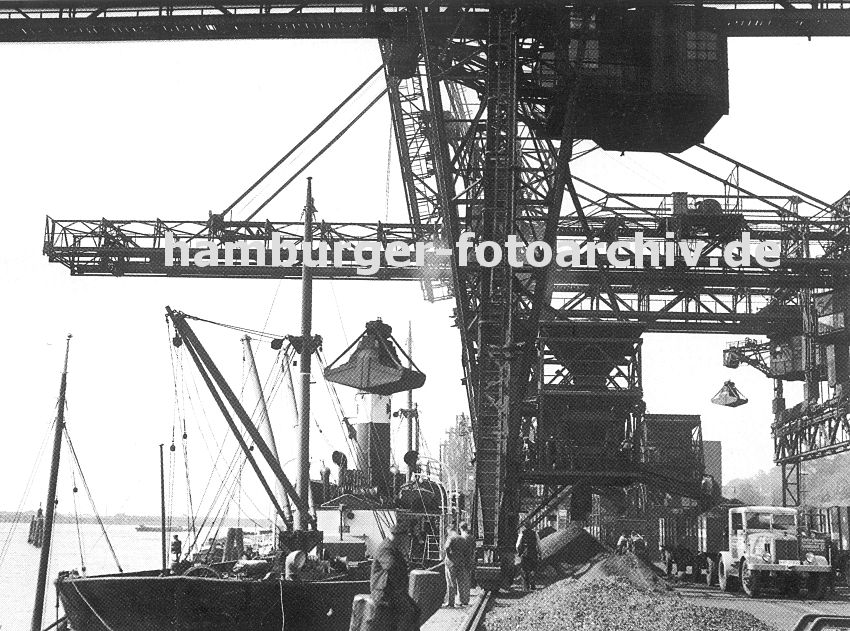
x=485, y=167
x=134, y=20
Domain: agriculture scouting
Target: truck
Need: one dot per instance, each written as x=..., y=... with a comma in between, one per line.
x=832, y=524
x=748, y=546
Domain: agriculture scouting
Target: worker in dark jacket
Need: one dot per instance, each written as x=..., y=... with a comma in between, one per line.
x=528, y=549
x=176, y=549
x=395, y=610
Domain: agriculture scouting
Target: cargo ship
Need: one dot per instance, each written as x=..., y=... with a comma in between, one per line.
x=340, y=524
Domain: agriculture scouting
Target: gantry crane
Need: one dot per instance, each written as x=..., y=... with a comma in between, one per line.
x=488, y=101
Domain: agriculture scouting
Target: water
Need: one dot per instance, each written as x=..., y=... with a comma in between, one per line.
x=135, y=551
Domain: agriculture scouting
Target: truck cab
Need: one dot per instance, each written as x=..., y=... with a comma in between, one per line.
x=765, y=545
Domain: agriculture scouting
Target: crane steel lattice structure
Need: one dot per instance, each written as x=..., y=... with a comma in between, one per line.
x=488, y=101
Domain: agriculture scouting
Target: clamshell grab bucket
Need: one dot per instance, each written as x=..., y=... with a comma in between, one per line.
x=374, y=366
x=729, y=396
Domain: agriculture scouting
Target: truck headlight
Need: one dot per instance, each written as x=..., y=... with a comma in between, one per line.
x=810, y=558
x=766, y=557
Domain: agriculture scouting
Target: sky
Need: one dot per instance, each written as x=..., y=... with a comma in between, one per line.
x=175, y=130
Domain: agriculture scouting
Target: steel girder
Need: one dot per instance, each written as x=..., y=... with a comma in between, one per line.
x=135, y=20
x=822, y=430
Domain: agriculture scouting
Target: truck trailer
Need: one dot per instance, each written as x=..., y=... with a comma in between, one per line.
x=748, y=546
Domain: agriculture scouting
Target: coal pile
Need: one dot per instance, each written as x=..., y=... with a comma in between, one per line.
x=574, y=553
x=597, y=590
x=612, y=604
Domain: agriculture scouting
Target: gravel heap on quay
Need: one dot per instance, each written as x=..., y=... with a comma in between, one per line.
x=612, y=604
x=596, y=590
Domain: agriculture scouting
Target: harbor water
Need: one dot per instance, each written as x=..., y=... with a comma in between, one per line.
x=135, y=551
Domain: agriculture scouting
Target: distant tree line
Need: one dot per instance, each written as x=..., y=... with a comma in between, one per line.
x=825, y=482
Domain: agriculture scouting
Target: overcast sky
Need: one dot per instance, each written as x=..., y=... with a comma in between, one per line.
x=174, y=130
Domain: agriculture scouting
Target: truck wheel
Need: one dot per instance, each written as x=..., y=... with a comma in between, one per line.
x=750, y=580
x=727, y=583
x=710, y=571
x=817, y=585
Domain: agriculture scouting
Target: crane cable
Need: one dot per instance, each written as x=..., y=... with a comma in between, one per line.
x=389, y=164
x=192, y=526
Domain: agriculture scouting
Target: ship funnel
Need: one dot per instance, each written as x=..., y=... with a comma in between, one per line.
x=374, y=366
x=729, y=396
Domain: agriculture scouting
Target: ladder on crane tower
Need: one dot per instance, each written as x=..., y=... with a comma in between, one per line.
x=495, y=323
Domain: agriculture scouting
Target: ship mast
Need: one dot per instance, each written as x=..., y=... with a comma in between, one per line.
x=41, y=585
x=305, y=360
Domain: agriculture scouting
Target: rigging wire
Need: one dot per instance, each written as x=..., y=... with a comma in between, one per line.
x=234, y=327
x=174, y=419
x=80, y=544
x=91, y=499
x=332, y=283
x=191, y=510
x=309, y=135
x=327, y=146
x=25, y=495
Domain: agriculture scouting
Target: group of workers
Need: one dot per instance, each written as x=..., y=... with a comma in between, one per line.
x=394, y=609
x=633, y=542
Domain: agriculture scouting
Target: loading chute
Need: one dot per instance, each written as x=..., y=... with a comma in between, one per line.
x=729, y=396
x=374, y=366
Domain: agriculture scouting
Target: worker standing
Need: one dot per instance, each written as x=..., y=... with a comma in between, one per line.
x=528, y=548
x=622, y=543
x=638, y=543
x=176, y=550
x=454, y=559
x=469, y=566
x=395, y=610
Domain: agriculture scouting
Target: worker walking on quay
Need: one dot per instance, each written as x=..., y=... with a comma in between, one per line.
x=395, y=610
x=528, y=549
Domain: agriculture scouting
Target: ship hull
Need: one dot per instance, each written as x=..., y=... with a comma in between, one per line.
x=190, y=603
